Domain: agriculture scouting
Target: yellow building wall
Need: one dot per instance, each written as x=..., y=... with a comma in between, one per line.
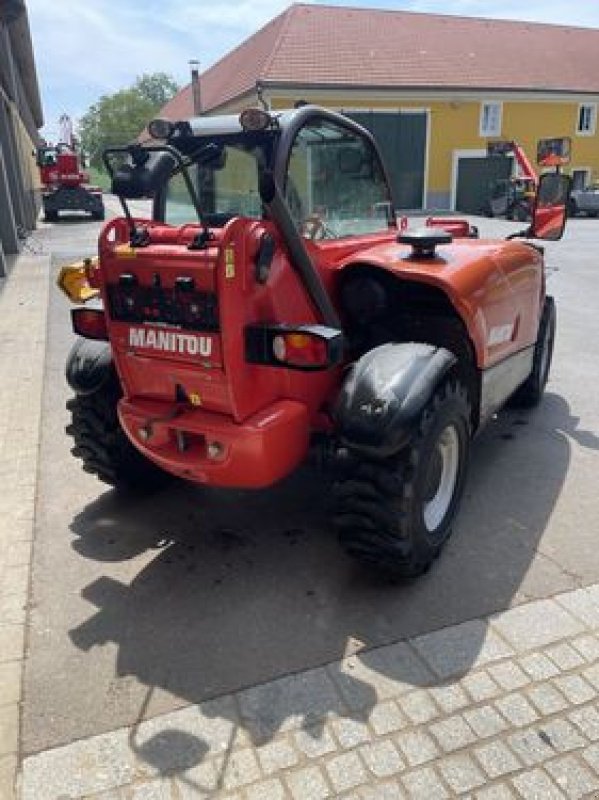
x=454, y=125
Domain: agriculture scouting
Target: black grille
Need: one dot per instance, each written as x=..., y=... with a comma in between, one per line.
x=192, y=310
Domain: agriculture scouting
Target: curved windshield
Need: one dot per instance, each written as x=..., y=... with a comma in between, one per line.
x=225, y=177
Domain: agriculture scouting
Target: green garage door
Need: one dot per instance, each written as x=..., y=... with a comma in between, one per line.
x=401, y=138
x=476, y=177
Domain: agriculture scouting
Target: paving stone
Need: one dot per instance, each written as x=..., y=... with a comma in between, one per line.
x=461, y=773
x=382, y=791
x=508, y=675
x=288, y=703
x=535, y=625
x=154, y=790
x=79, y=769
x=591, y=755
x=452, y=733
x=499, y=792
x=8, y=771
x=561, y=735
x=308, y=784
x=538, y=666
x=485, y=721
x=575, y=688
x=9, y=729
x=587, y=721
x=583, y=604
x=10, y=682
x=386, y=718
x=240, y=769
x=275, y=756
x=547, y=698
x=417, y=747
x=12, y=642
x=423, y=784
x=480, y=687
x=379, y=674
x=382, y=759
x=350, y=732
x=269, y=790
x=15, y=580
x=530, y=747
x=564, y=656
x=13, y=609
x=572, y=777
x=315, y=742
x=536, y=785
x=346, y=771
x=455, y=650
x=496, y=759
x=592, y=675
x=181, y=739
x=450, y=698
x=418, y=707
x=516, y=709
x=200, y=782
x=588, y=647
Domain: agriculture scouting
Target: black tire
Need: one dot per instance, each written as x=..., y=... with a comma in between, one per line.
x=572, y=208
x=51, y=216
x=99, y=215
x=102, y=445
x=531, y=391
x=381, y=508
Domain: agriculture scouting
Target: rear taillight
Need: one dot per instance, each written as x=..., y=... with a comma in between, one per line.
x=305, y=347
x=89, y=323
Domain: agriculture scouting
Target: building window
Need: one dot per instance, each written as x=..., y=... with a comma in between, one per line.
x=587, y=119
x=490, y=119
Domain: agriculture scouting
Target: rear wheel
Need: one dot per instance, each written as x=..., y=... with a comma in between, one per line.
x=396, y=515
x=51, y=216
x=102, y=445
x=531, y=391
x=572, y=208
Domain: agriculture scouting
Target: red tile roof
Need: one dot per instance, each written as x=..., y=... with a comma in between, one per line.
x=329, y=46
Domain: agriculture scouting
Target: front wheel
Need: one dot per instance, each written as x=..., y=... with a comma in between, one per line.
x=531, y=391
x=397, y=514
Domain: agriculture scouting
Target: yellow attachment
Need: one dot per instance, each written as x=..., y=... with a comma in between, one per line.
x=74, y=282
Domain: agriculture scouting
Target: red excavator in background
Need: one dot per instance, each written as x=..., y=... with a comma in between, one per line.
x=65, y=186
x=512, y=198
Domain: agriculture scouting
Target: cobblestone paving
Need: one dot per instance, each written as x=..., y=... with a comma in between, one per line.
x=524, y=723
x=23, y=307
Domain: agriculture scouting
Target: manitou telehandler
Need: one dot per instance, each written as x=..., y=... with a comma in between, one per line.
x=274, y=300
x=65, y=186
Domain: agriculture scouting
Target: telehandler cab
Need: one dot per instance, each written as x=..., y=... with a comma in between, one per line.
x=274, y=298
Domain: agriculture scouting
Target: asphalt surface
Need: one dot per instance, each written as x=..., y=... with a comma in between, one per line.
x=143, y=605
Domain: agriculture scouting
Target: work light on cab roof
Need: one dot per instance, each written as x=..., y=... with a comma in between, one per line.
x=255, y=119
x=160, y=128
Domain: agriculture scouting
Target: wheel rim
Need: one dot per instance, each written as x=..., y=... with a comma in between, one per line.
x=444, y=464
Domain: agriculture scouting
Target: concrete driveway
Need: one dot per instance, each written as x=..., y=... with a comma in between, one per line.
x=143, y=605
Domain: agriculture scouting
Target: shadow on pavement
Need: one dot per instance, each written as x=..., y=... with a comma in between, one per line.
x=248, y=587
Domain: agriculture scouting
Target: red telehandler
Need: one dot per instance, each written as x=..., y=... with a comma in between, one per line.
x=65, y=186
x=512, y=198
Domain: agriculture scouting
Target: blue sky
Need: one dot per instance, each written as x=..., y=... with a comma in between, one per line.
x=86, y=48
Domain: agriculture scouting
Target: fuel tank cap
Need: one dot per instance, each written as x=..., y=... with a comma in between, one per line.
x=424, y=240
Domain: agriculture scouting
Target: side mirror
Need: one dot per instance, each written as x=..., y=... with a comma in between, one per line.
x=143, y=174
x=551, y=207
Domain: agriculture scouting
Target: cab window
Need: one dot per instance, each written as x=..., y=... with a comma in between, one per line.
x=335, y=186
x=226, y=184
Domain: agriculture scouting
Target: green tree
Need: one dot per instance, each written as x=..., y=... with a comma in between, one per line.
x=119, y=118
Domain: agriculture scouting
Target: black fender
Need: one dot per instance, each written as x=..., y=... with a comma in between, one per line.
x=89, y=365
x=384, y=394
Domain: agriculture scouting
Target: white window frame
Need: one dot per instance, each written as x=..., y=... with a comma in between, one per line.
x=496, y=130
x=592, y=129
